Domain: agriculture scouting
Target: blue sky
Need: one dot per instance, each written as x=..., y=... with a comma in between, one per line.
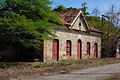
x=103, y=5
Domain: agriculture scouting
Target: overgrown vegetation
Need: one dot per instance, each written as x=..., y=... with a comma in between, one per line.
x=27, y=22
x=62, y=8
x=110, y=36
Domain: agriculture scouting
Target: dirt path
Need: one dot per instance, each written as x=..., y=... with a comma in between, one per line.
x=96, y=73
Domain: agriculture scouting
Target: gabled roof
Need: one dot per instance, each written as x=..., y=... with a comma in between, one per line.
x=68, y=18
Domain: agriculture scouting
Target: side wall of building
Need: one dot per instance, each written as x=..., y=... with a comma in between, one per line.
x=63, y=36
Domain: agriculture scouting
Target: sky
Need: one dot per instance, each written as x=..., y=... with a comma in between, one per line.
x=103, y=5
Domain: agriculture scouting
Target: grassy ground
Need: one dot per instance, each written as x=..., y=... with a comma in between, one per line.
x=20, y=70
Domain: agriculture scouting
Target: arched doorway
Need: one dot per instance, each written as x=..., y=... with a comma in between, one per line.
x=88, y=48
x=79, y=49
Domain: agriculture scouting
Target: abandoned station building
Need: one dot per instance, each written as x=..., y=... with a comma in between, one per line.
x=77, y=41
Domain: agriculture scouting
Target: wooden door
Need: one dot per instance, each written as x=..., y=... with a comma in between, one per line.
x=79, y=50
x=96, y=50
x=55, y=50
x=88, y=48
x=68, y=48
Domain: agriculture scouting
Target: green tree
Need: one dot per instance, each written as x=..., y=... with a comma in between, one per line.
x=27, y=22
x=84, y=8
x=70, y=9
x=61, y=8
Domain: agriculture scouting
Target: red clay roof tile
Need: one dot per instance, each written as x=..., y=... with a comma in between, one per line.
x=68, y=17
x=94, y=29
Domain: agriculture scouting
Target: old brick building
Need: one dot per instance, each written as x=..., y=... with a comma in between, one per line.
x=77, y=41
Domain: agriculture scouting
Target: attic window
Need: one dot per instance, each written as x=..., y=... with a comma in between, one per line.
x=79, y=24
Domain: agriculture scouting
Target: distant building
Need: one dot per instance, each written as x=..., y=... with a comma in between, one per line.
x=118, y=49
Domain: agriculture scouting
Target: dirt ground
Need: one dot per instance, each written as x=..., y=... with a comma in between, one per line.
x=26, y=70
x=113, y=77
x=95, y=73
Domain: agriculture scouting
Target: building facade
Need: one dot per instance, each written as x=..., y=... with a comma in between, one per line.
x=77, y=41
